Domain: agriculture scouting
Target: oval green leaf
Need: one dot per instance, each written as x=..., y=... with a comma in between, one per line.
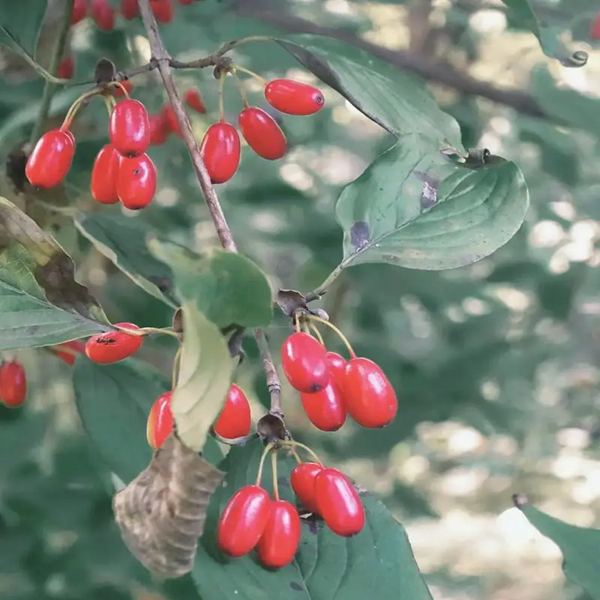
x=20, y=24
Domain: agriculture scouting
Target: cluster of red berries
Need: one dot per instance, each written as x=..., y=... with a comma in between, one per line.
x=234, y=420
x=332, y=388
x=104, y=15
x=221, y=148
x=251, y=519
x=13, y=384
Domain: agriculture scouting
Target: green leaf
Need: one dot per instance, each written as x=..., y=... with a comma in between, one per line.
x=579, y=546
x=40, y=302
x=205, y=373
x=229, y=289
x=416, y=208
x=396, y=101
x=548, y=35
x=123, y=240
x=20, y=24
x=378, y=562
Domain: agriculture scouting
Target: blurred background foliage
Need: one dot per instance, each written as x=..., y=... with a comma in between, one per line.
x=496, y=364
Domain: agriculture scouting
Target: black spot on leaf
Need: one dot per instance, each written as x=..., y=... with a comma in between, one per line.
x=360, y=235
x=296, y=586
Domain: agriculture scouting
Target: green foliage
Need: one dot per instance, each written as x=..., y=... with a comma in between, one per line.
x=326, y=566
x=20, y=24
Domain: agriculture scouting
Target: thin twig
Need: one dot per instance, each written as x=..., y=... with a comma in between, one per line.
x=49, y=86
x=161, y=57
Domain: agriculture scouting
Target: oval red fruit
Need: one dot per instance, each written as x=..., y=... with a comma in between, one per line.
x=279, y=542
x=78, y=11
x=51, y=159
x=304, y=363
x=337, y=368
x=13, y=384
x=303, y=479
x=293, y=97
x=118, y=90
x=368, y=395
x=136, y=182
x=262, y=133
x=103, y=15
x=194, y=100
x=68, y=351
x=325, y=408
x=595, y=28
x=158, y=130
x=129, y=127
x=66, y=68
x=163, y=10
x=113, y=346
x=160, y=421
x=235, y=419
x=130, y=9
x=221, y=150
x=339, y=503
x=170, y=119
x=243, y=521
x=104, y=175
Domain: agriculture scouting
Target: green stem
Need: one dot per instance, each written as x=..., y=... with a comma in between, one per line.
x=49, y=86
x=322, y=289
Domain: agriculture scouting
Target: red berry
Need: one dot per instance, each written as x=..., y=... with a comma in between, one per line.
x=13, y=384
x=66, y=68
x=136, y=182
x=129, y=127
x=595, y=28
x=160, y=421
x=103, y=15
x=104, y=175
x=279, y=542
x=369, y=396
x=304, y=363
x=118, y=91
x=262, y=133
x=78, y=11
x=235, y=419
x=163, y=10
x=51, y=159
x=111, y=347
x=339, y=503
x=221, y=151
x=194, y=101
x=337, y=368
x=75, y=347
x=325, y=408
x=158, y=130
x=243, y=521
x=170, y=119
x=294, y=98
x=130, y=9
x=303, y=479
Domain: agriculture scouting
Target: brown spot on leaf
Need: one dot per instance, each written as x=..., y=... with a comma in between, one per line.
x=360, y=235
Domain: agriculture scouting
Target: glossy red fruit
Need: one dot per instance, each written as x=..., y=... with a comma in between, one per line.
x=304, y=363
x=13, y=384
x=158, y=130
x=235, y=419
x=160, y=421
x=118, y=91
x=66, y=68
x=339, y=503
x=170, y=120
x=303, y=479
x=337, y=368
x=113, y=346
x=51, y=159
x=136, y=182
x=262, y=133
x=163, y=10
x=325, y=408
x=595, y=28
x=68, y=351
x=130, y=9
x=243, y=521
x=369, y=396
x=221, y=150
x=293, y=97
x=129, y=127
x=279, y=542
x=78, y=11
x=194, y=100
x=104, y=175
x=103, y=14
